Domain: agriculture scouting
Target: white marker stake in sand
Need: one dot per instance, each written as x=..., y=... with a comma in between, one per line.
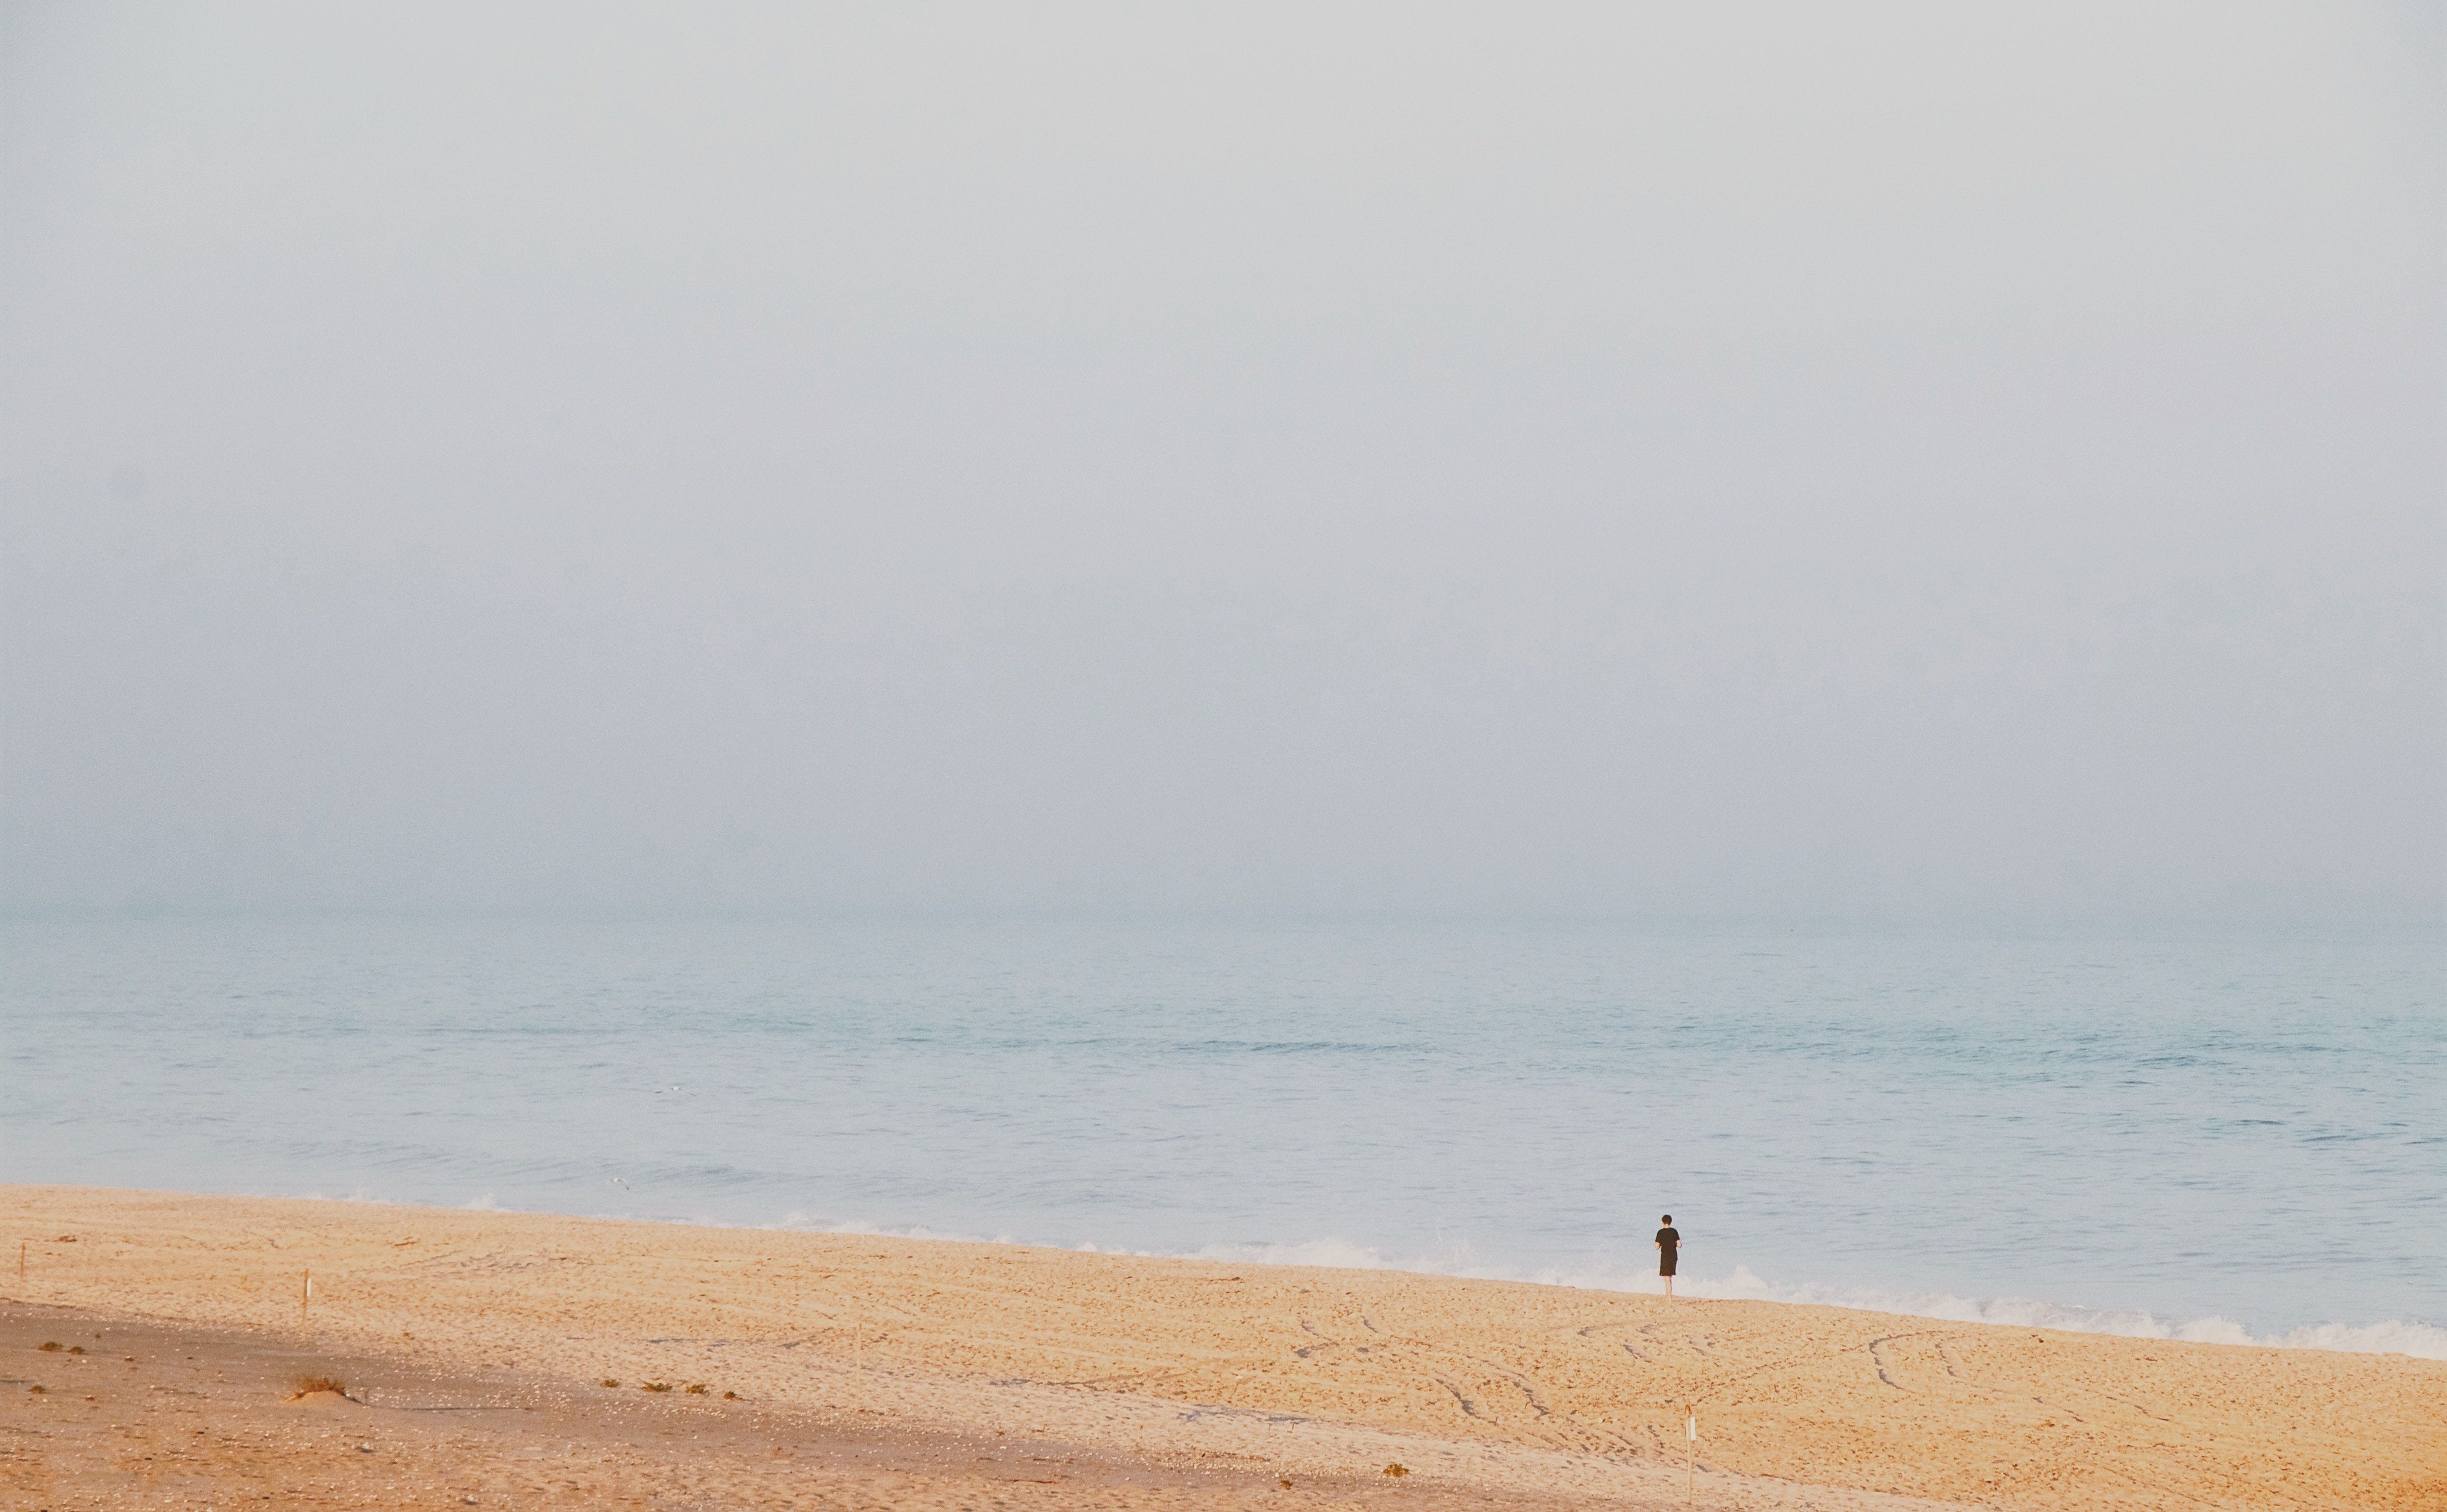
x=304, y=1292
x=1690, y=1455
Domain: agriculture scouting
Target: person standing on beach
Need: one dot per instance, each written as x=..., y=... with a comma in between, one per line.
x=1669, y=1247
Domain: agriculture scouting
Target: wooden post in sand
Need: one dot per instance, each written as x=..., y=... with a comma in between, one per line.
x=1690, y=1451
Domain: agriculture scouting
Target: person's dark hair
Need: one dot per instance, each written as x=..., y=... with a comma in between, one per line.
x=1667, y=1220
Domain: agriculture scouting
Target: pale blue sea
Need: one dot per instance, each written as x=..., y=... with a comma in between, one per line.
x=2219, y=1135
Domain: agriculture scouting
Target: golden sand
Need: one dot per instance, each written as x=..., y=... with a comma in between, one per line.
x=886, y=1371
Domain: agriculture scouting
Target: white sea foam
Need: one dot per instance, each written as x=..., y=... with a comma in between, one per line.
x=1063, y=1082
x=802, y=1223
x=2395, y=1336
x=2423, y=1341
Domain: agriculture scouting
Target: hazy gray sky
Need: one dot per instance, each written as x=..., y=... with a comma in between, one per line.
x=1913, y=461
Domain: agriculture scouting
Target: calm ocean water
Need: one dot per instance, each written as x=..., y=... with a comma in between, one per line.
x=2217, y=1135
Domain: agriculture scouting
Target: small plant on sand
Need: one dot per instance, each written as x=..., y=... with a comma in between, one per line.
x=76, y=1348
x=33, y=1391
x=730, y=1396
x=654, y=1386
x=53, y=1346
x=310, y=1385
x=1398, y=1469
x=696, y=1388
x=608, y=1381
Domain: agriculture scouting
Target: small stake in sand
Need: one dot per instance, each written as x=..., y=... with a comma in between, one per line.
x=1690, y=1450
x=304, y=1292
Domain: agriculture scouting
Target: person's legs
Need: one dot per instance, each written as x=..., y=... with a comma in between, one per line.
x=1669, y=1285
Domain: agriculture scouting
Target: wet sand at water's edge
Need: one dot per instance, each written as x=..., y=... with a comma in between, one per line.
x=854, y=1372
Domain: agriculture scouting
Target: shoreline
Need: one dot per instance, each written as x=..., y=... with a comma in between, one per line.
x=2413, y=1338
x=1507, y=1391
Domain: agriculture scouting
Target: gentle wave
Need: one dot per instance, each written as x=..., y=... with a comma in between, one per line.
x=1799, y=1097
x=2423, y=1341
x=2395, y=1337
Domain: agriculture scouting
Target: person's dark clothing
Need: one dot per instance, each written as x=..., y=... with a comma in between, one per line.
x=1669, y=1241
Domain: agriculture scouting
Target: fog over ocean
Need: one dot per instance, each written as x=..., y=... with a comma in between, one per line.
x=680, y=613
x=2220, y=1135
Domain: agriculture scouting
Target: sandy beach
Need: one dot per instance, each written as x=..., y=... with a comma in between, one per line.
x=511, y=1359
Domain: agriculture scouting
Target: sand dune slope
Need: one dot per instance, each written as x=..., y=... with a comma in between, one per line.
x=1480, y=1389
